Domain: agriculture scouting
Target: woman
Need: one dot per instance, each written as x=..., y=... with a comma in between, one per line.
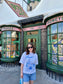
x=29, y=60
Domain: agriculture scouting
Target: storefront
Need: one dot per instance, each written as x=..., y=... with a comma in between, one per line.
x=10, y=43
x=34, y=31
x=55, y=43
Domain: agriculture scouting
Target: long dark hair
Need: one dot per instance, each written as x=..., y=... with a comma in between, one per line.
x=27, y=51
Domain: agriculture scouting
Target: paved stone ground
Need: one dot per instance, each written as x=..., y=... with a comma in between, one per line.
x=11, y=75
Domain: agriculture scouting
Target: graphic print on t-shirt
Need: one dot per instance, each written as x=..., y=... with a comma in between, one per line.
x=30, y=65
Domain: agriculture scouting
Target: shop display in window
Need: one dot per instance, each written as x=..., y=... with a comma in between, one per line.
x=10, y=44
x=55, y=43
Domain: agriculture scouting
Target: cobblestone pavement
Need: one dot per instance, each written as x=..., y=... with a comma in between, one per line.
x=11, y=75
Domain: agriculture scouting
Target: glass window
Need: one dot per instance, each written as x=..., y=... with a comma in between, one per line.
x=60, y=27
x=55, y=43
x=8, y=40
x=60, y=38
x=53, y=28
x=4, y=34
x=54, y=59
x=32, y=33
x=10, y=44
x=32, y=40
x=60, y=49
x=54, y=49
x=8, y=33
x=60, y=60
x=54, y=39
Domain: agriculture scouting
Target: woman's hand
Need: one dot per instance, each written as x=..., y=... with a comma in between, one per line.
x=21, y=75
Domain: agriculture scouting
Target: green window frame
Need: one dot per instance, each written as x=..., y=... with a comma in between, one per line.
x=55, y=43
x=10, y=44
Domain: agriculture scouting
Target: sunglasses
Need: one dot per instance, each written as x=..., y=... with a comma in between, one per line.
x=30, y=47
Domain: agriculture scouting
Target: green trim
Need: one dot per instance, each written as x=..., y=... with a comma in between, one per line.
x=9, y=26
x=50, y=17
x=31, y=25
x=9, y=59
x=39, y=49
x=55, y=68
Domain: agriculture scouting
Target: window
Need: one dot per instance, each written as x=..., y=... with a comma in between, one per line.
x=32, y=33
x=10, y=44
x=55, y=43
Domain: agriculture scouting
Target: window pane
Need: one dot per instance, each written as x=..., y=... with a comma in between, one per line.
x=14, y=34
x=54, y=59
x=8, y=33
x=60, y=49
x=13, y=53
x=7, y=54
x=54, y=39
x=8, y=40
x=60, y=60
x=4, y=41
x=32, y=33
x=4, y=34
x=54, y=49
x=8, y=51
x=4, y=54
x=49, y=51
x=54, y=28
x=32, y=40
x=60, y=27
x=60, y=38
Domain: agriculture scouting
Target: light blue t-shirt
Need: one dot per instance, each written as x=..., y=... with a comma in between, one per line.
x=30, y=61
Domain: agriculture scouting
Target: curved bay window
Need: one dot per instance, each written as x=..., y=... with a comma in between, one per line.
x=55, y=43
x=10, y=45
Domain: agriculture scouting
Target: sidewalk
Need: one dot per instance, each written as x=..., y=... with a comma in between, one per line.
x=11, y=75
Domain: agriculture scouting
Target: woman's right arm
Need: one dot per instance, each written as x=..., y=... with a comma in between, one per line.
x=22, y=60
x=22, y=70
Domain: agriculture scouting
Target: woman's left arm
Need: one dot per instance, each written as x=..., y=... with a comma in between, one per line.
x=36, y=61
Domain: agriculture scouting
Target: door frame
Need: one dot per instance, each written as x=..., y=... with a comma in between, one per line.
x=38, y=45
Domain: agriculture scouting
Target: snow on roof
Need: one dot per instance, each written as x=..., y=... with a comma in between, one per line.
x=47, y=8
